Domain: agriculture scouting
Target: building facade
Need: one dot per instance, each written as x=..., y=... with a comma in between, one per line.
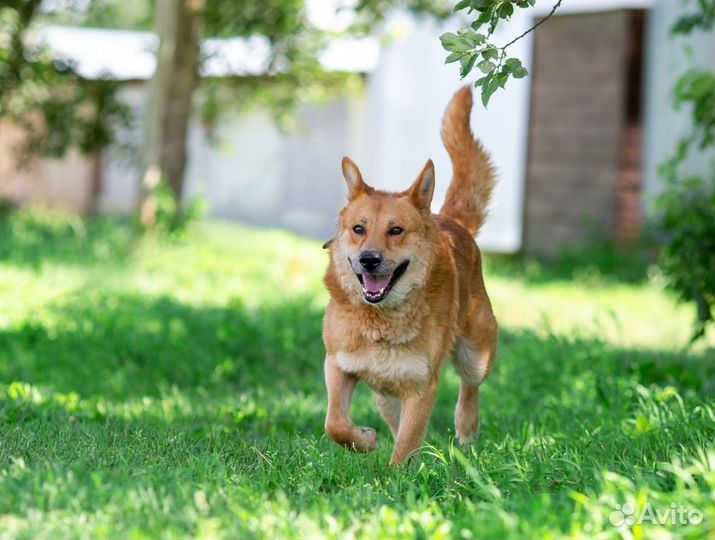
x=577, y=144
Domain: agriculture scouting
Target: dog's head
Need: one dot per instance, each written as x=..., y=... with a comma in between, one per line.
x=385, y=241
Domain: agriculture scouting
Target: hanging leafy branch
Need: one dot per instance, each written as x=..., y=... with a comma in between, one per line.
x=473, y=47
x=686, y=208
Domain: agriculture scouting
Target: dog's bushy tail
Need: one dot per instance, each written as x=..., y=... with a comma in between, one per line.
x=473, y=175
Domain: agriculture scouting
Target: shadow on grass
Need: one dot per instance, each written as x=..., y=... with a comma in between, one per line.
x=120, y=346
x=130, y=345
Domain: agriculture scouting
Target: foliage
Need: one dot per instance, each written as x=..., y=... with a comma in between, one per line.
x=59, y=109
x=371, y=13
x=175, y=390
x=702, y=19
x=686, y=216
x=293, y=71
x=472, y=47
x=686, y=207
x=122, y=15
x=295, y=75
x=55, y=107
x=161, y=213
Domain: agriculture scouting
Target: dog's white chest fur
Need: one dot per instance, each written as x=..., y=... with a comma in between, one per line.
x=386, y=364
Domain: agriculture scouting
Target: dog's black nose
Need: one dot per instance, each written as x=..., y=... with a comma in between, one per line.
x=370, y=260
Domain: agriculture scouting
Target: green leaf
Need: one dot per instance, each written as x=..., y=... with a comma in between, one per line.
x=449, y=41
x=475, y=38
x=463, y=4
x=520, y=72
x=454, y=43
x=488, y=88
x=512, y=63
x=490, y=53
x=506, y=10
x=467, y=64
x=503, y=77
x=493, y=24
x=485, y=17
x=453, y=57
x=485, y=66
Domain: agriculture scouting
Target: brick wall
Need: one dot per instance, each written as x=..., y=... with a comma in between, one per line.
x=576, y=129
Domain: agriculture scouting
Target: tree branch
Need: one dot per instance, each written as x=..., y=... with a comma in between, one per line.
x=553, y=10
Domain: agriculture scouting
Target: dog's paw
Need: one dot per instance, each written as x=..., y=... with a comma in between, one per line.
x=366, y=440
x=466, y=423
x=468, y=436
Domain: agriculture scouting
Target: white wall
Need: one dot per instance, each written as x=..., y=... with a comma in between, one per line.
x=247, y=169
x=121, y=163
x=666, y=61
x=241, y=174
x=407, y=96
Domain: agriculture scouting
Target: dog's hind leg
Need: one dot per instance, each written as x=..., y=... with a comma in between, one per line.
x=390, y=410
x=474, y=355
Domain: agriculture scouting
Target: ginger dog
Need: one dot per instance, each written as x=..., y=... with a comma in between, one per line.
x=407, y=294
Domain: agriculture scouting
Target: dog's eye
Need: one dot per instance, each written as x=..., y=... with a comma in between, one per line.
x=396, y=231
x=359, y=229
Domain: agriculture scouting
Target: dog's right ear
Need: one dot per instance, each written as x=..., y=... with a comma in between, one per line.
x=353, y=178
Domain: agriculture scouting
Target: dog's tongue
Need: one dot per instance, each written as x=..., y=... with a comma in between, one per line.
x=375, y=284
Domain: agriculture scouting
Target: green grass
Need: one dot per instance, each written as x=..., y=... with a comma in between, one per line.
x=163, y=390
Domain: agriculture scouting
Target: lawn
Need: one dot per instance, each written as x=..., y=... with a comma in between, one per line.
x=156, y=389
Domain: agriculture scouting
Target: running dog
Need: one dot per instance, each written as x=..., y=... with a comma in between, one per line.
x=407, y=294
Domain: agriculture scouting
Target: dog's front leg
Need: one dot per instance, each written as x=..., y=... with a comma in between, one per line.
x=416, y=412
x=338, y=424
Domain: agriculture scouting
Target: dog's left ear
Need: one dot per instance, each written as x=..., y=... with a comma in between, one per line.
x=421, y=191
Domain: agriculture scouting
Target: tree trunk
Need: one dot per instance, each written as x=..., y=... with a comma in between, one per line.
x=178, y=23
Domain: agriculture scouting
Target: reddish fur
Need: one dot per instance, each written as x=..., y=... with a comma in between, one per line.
x=473, y=175
x=439, y=308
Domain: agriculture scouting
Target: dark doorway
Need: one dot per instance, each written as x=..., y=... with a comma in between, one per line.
x=583, y=171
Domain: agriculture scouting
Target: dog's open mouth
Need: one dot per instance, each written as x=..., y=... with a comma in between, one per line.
x=376, y=288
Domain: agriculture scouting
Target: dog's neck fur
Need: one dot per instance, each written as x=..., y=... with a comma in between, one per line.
x=395, y=325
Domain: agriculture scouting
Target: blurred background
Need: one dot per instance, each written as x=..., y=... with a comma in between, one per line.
x=276, y=95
